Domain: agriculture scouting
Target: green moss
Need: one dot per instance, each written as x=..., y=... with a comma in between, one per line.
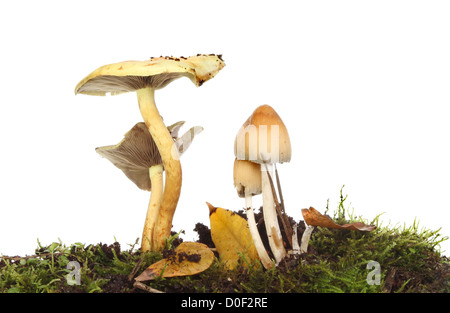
x=408, y=260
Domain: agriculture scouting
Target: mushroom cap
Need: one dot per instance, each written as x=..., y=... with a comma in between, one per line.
x=136, y=153
x=247, y=178
x=129, y=76
x=255, y=138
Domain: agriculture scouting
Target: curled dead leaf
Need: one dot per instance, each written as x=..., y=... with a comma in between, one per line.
x=188, y=258
x=313, y=217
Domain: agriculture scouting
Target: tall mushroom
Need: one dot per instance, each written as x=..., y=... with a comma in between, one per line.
x=139, y=159
x=145, y=77
x=247, y=180
x=264, y=139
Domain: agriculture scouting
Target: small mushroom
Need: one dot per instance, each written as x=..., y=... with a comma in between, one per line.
x=144, y=77
x=247, y=180
x=139, y=159
x=305, y=238
x=264, y=139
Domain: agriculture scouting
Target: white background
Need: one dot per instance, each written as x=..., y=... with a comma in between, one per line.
x=362, y=86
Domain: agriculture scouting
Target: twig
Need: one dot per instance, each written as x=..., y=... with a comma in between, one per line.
x=146, y=288
x=279, y=189
x=287, y=231
x=136, y=268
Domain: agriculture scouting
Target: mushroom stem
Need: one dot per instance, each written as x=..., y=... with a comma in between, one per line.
x=270, y=216
x=295, y=245
x=262, y=253
x=171, y=163
x=156, y=178
x=305, y=238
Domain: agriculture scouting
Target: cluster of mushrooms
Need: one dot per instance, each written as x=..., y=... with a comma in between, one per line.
x=260, y=143
x=141, y=157
x=252, y=171
x=151, y=148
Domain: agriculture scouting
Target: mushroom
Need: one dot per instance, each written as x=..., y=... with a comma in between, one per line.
x=247, y=180
x=139, y=159
x=305, y=238
x=145, y=77
x=264, y=129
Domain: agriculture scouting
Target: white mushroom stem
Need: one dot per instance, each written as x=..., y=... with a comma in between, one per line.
x=305, y=238
x=270, y=216
x=262, y=253
x=156, y=179
x=171, y=163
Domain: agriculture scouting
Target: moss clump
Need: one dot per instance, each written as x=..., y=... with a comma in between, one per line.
x=102, y=268
x=388, y=259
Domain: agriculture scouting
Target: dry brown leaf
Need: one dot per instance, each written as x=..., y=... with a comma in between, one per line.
x=231, y=236
x=313, y=217
x=188, y=258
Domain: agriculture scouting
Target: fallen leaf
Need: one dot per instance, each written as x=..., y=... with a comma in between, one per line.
x=313, y=217
x=231, y=236
x=188, y=258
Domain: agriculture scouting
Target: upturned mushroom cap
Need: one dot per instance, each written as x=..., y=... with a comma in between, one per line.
x=137, y=152
x=129, y=76
x=247, y=178
x=256, y=134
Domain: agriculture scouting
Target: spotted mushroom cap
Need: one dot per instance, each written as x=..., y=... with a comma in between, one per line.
x=129, y=76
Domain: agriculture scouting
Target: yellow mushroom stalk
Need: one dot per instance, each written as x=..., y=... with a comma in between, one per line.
x=156, y=177
x=144, y=77
x=138, y=157
x=171, y=163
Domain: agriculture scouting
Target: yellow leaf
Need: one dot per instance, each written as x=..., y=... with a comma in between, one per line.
x=188, y=258
x=231, y=236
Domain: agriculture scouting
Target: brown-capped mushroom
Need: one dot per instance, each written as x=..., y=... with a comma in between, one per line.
x=139, y=159
x=247, y=180
x=144, y=77
x=264, y=139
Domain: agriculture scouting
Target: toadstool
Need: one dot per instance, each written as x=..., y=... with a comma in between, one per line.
x=247, y=180
x=264, y=139
x=145, y=77
x=139, y=159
